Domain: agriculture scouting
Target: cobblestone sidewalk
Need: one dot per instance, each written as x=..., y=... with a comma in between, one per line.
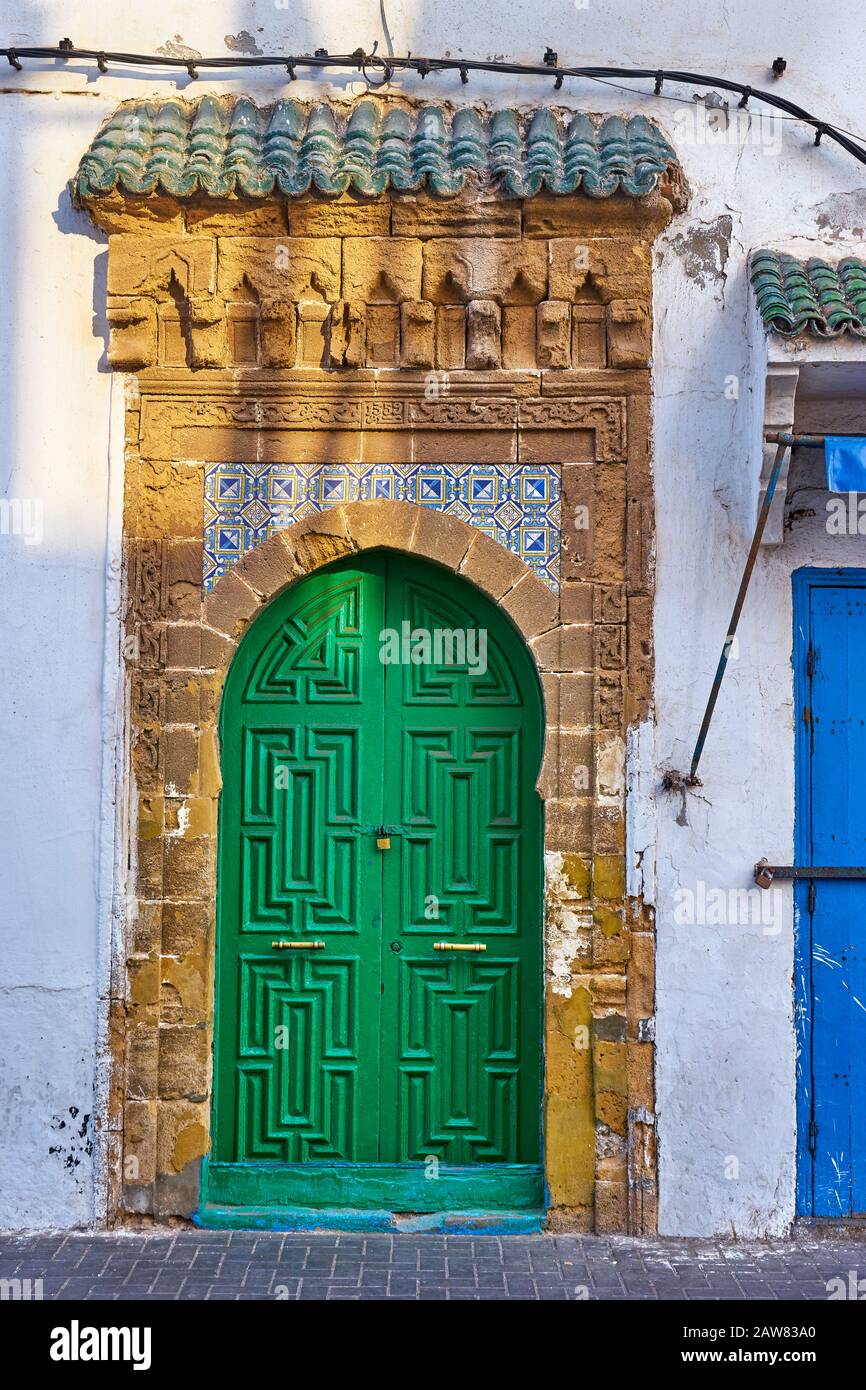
x=187, y=1264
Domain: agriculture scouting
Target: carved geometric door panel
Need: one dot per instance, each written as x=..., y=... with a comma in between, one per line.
x=365, y=1037
x=299, y=887
x=461, y=1060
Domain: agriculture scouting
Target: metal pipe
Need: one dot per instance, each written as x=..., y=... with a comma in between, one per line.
x=783, y=445
x=804, y=441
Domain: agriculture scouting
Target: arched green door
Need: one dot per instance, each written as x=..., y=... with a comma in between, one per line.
x=378, y=1008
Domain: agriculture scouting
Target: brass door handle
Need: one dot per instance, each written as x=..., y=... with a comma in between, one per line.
x=459, y=946
x=298, y=945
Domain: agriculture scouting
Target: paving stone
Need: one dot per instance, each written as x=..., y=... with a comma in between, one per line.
x=250, y=1265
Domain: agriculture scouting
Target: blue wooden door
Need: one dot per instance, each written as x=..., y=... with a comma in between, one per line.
x=830, y=653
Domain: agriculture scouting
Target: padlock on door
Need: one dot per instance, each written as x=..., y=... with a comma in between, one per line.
x=763, y=874
x=383, y=841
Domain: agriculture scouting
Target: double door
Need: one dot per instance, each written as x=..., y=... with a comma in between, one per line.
x=379, y=937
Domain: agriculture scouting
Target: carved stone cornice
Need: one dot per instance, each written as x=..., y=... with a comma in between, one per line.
x=381, y=301
x=222, y=421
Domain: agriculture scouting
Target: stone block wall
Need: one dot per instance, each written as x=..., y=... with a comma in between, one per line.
x=406, y=282
x=309, y=331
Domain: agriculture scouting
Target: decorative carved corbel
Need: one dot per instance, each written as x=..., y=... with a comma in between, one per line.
x=280, y=268
x=313, y=332
x=141, y=264
x=132, y=322
x=348, y=333
x=417, y=334
x=208, y=331
x=484, y=336
x=277, y=322
x=553, y=333
x=507, y=270
x=629, y=333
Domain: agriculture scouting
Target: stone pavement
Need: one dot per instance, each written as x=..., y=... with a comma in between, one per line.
x=191, y=1264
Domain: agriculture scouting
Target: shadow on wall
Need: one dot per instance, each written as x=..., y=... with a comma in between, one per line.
x=52, y=572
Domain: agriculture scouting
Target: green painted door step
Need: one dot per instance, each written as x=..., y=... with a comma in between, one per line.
x=373, y=1187
x=491, y=1223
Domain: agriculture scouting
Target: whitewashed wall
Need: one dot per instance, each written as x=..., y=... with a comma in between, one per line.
x=725, y=1069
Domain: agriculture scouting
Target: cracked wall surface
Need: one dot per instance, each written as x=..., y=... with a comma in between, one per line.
x=725, y=988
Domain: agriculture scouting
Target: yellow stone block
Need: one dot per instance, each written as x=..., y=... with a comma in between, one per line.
x=146, y=264
x=381, y=270
x=608, y=876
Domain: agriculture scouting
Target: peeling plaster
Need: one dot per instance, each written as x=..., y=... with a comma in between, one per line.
x=704, y=249
x=640, y=813
x=610, y=769
x=183, y=815
x=242, y=42
x=842, y=215
x=725, y=1053
x=568, y=928
x=176, y=48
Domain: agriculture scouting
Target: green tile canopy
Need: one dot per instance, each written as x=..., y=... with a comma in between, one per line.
x=225, y=146
x=810, y=296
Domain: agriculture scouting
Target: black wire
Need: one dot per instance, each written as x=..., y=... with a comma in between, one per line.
x=423, y=66
x=690, y=101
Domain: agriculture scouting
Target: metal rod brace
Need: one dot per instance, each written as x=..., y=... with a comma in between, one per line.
x=783, y=445
x=765, y=873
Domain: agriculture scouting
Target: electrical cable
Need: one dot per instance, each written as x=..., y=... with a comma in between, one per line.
x=855, y=145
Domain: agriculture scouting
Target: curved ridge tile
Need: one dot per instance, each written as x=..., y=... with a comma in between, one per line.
x=468, y=142
x=206, y=147
x=120, y=151
x=244, y=155
x=506, y=153
x=430, y=155
x=319, y=161
x=580, y=151
x=359, y=155
x=612, y=164
x=280, y=141
x=167, y=165
x=852, y=273
x=394, y=158
x=544, y=164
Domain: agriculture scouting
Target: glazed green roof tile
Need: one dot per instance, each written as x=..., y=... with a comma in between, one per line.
x=225, y=146
x=810, y=296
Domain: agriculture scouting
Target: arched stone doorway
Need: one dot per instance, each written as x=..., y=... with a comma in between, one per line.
x=379, y=941
x=481, y=351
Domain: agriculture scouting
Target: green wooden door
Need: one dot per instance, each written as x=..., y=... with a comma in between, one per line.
x=361, y=1060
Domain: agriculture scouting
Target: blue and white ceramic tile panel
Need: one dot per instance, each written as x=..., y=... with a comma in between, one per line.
x=516, y=504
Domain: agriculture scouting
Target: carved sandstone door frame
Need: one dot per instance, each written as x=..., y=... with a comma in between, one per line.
x=371, y=1051
x=500, y=319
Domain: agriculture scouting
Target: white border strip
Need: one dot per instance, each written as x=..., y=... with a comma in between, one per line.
x=113, y=819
